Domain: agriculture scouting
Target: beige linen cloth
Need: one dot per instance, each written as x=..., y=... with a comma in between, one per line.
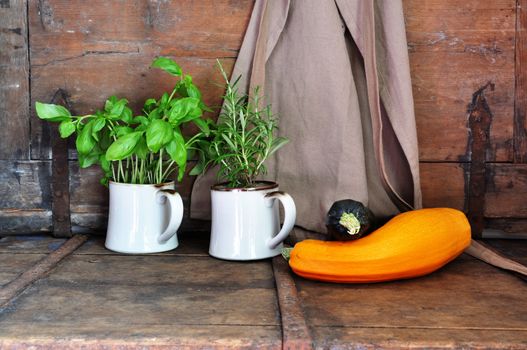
x=337, y=74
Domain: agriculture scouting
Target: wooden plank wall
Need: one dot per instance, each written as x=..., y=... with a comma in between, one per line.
x=92, y=49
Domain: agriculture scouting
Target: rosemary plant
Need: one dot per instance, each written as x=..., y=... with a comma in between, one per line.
x=243, y=138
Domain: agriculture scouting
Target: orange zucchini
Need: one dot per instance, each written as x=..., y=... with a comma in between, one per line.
x=411, y=244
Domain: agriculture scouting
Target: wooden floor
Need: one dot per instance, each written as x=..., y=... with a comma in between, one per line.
x=94, y=298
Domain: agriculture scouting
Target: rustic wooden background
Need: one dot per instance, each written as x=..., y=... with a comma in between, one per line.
x=84, y=51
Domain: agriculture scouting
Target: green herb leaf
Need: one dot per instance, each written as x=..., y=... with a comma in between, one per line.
x=167, y=65
x=203, y=125
x=278, y=143
x=118, y=107
x=85, y=141
x=158, y=134
x=98, y=125
x=141, y=119
x=178, y=153
x=105, y=163
x=123, y=146
x=141, y=149
x=126, y=115
x=110, y=102
x=150, y=103
x=193, y=91
x=66, y=128
x=87, y=160
x=191, y=115
x=181, y=107
x=122, y=130
x=51, y=112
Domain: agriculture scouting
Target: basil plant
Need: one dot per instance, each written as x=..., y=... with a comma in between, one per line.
x=142, y=149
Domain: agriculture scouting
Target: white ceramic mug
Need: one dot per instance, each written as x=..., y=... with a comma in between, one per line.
x=246, y=222
x=143, y=218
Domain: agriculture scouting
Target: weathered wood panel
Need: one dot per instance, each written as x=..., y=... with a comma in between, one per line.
x=89, y=199
x=194, y=244
x=443, y=185
x=520, y=101
x=12, y=265
x=455, y=48
x=25, y=196
x=103, y=48
x=506, y=195
x=14, y=73
x=35, y=244
x=179, y=301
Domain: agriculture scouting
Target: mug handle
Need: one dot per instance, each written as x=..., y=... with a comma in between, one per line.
x=176, y=213
x=289, y=216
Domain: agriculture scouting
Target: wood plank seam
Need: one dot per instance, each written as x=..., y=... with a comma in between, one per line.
x=11, y=290
x=295, y=332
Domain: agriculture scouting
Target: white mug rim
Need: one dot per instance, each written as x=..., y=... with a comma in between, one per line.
x=265, y=185
x=163, y=184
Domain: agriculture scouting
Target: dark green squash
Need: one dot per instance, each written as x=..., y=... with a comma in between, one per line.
x=347, y=220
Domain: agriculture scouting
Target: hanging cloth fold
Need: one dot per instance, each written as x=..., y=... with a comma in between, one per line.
x=337, y=74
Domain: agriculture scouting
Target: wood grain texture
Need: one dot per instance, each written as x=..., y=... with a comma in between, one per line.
x=12, y=265
x=34, y=244
x=25, y=196
x=443, y=185
x=159, y=301
x=89, y=199
x=295, y=333
x=480, y=118
x=14, y=75
x=191, y=244
x=456, y=47
x=520, y=101
x=465, y=304
x=103, y=48
x=506, y=191
x=15, y=287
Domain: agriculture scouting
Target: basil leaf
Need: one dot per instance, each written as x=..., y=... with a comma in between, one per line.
x=122, y=130
x=105, y=163
x=118, y=107
x=178, y=153
x=126, y=115
x=140, y=119
x=191, y=115
x=110, y=102
x=66, y=128
x=85, y=141
x=123, y=146
x=158, y=134
x=98, y=125
x=167, y=65
x=181, y=108
x=163, y=101
x=105, y=139
x=193, y=91
x=86, y=160
x=51, y=112
x=141, y=149
x=150, y=103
